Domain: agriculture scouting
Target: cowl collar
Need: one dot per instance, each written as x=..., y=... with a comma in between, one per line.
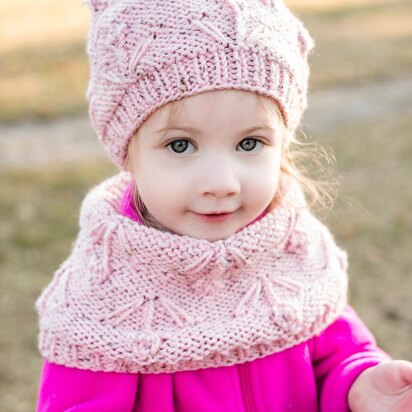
x=135, y=299
x=184, y=256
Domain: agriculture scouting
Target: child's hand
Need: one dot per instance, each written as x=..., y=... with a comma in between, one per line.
x=386, y=387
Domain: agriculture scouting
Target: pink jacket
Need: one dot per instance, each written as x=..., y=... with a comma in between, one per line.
x=313, y=376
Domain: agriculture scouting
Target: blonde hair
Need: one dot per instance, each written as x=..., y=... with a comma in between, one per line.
x=297, y=157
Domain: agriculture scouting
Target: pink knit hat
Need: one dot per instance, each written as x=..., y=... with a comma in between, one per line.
x=144, y=54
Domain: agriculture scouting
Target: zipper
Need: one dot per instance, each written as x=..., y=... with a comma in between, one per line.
x=246, y=387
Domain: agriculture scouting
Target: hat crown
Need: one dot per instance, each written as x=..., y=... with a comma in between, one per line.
x=227, y=43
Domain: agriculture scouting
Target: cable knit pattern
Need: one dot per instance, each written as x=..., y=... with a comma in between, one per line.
x=134, y=299
x=144, y=54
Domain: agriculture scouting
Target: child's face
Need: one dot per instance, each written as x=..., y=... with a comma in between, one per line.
x=218, y=166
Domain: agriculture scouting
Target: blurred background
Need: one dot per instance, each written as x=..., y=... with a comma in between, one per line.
x=360, y=107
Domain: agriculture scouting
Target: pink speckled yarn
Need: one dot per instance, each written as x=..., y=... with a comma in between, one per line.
x=144, y=54
x=131, y=298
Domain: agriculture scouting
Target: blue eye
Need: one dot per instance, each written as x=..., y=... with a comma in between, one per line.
x=249, y=144
x=179, y=146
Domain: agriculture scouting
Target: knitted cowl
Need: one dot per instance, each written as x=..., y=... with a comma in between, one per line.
x=135, y=299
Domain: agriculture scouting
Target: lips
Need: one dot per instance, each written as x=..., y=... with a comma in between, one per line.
x=215, y=217
x=222, y=212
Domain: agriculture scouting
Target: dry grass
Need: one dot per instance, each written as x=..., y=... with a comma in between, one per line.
x=361, y=44
x=43, y=83
x=373, y=222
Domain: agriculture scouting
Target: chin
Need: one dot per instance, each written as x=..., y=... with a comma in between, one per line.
x=220, y=235
x=208, y=232
x=211, y=237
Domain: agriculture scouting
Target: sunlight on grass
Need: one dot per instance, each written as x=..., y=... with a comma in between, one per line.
x=51, y=82
x=41, y=22
x=323, y=5
x=361, y=46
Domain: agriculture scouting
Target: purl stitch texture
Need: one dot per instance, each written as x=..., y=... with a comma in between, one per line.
x=144, y=54
x=134, y=299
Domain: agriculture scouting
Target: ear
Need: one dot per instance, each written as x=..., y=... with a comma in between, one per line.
x=97, y=6
x=305, y=41
x=272, y=3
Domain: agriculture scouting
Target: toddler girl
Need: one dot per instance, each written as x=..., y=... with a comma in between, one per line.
x=199, y=280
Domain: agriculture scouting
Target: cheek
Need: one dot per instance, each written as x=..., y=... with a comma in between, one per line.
x=265, y=178
x=157, y=186
x=266, y=183
x=149, y=177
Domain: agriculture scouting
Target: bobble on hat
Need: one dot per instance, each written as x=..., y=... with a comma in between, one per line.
x=144, y=54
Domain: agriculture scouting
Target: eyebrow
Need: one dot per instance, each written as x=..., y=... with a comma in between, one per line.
x=193, y=130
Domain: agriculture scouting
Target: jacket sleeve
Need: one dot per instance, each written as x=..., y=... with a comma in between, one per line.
x=340, y=353
x=76, y=390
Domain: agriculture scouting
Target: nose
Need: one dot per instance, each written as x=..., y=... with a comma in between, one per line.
x=219, y=179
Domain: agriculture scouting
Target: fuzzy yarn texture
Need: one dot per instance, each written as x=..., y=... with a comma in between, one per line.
x=144, y=54
x=130, y=298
